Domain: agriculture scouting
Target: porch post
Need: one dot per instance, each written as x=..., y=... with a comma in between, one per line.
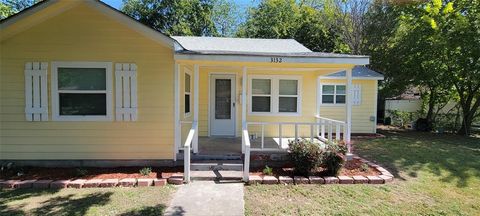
x=177, y=130
x=349, y=112
x=195, y=105
x=244, y=104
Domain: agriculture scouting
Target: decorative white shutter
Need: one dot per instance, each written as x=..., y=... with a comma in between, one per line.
x=357, y=94
x=36, y=99
x=126, y=92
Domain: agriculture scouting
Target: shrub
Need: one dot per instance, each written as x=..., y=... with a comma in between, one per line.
x=364, y=167
x=333, y=158
x=268, y=170
x=80, y=172
x=304, y=155
x=145, y=171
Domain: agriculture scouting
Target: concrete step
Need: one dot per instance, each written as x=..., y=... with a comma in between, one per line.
x=221, y=175
x=216, y=166
x=215, y=157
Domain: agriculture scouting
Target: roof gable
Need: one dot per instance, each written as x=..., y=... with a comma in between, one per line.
x=50, y=8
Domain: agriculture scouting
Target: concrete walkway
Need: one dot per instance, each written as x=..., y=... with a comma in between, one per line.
x=208, y=198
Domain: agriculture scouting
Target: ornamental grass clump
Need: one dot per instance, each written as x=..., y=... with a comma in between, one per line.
x=305, y=156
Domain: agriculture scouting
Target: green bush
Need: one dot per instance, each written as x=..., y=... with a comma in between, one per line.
x=304, y=155
x=145, y=171
x=268, y=170
x=333, y=158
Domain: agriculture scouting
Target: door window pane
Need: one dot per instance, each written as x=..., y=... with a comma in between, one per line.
x=223, y=98
x=83, y=104
x=261, y=86
x=187, y=103
x=327, y=99
x=260, y=104
x=288, y=87
x=82, y=79
x=187, y=82
x=287, y=104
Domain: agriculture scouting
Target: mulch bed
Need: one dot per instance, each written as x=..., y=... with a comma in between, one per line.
x=351, y=168
x=40, y=173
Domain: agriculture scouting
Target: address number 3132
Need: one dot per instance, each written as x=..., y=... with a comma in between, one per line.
x=276, y=60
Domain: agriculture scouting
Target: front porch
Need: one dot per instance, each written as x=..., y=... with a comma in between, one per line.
x=223, y=109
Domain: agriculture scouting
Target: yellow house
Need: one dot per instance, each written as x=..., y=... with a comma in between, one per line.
x=82, y=83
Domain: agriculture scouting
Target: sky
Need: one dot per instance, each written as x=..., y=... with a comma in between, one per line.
x=118, y=3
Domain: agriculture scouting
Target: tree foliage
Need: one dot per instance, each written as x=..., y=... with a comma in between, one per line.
x=173, y=17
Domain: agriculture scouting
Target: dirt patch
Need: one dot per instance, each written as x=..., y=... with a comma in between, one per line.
x=39, y=173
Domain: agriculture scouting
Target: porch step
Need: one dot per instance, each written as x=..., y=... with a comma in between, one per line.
x=221, y=166
x=222, y=175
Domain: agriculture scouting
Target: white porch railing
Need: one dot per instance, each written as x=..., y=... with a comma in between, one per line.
x=329, y=125
x=246, y=168
x=312, y=125
x=186, y=152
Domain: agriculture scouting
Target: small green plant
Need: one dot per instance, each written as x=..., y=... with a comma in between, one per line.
x=145, y=171
x=364, y=167
x=80, y=172
x=268, y=170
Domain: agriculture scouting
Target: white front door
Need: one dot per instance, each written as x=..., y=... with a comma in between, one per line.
x=222, y=105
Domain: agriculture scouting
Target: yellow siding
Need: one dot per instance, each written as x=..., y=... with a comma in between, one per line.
x=360, y=113
x=84, y=34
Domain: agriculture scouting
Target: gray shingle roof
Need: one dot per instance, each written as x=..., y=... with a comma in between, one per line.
x=246, y=45
x=358, y=71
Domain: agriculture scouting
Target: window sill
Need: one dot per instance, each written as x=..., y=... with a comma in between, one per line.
x=82, y=118
x=275, y=114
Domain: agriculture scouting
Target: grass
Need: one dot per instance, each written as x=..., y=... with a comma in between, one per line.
x=434, y=175
x=87, y=201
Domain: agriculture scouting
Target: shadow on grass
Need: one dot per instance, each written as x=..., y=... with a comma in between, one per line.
x=60, y=205
x=453, y=158
x=148, y=210
x=10, y=195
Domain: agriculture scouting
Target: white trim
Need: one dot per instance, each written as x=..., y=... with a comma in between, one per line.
x=334, y=94
x=177, y=125
x=354, y=78
x=361, y=60
x=196, y=74
x=349, y=97
x=245, y=144
x=55, y=92
x=274, y=95
x=375, y=108
x=226, y=75
x=189, y=72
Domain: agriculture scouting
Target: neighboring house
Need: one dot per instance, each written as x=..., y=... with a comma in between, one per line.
x=81, y=81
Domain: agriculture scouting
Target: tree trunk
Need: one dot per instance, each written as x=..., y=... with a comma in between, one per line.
x=468, y=115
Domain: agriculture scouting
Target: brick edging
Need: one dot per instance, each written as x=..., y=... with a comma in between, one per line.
x=383, y=178
x=83, y=183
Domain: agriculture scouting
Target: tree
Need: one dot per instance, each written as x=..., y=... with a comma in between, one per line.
x=288, y=19
x=10, y=7
x=173, y=17
x=226, y=17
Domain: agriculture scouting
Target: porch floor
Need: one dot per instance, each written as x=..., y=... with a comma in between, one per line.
x=233, y=145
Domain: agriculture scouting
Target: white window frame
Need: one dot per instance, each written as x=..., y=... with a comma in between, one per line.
x=334, y=94
x=275, y=95
x=187, y=72
x=55, y=91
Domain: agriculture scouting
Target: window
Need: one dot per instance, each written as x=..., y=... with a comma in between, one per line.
x=82, y=91
x=187, y=94
x=275, y=95
x=333, y=94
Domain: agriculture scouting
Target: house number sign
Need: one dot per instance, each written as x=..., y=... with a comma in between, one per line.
x=276, y=60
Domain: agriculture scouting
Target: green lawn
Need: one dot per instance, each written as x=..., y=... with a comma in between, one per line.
x=434, y=175
x=91, y=201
